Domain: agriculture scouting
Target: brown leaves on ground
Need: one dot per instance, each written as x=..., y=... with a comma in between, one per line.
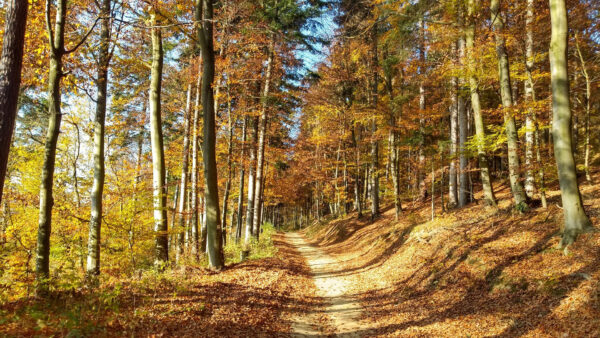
x=244, y=300
x=471, y=272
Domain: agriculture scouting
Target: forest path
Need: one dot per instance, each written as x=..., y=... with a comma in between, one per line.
x=342, y=309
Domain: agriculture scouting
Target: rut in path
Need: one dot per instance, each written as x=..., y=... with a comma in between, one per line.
x=342, y=309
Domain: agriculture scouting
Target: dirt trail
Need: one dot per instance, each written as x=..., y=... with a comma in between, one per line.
x=342, y=310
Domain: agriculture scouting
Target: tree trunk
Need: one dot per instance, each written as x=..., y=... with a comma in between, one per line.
x=575, y=219
x=463, y=132
x=261, y=142
x=393, y=150
x=213, y=223
x=357, y=203
x=194, y=183
x=251, y=185
x=10, y=77
x=588, y=98
x=93, y=258
x=488, y=191
x=229, y=155
x=507, y=101
x=374, y=142
x=57, y=50
x=238, y=233
x=453, y=182
x=184, y=177
x=529, y=97
x=158, y=153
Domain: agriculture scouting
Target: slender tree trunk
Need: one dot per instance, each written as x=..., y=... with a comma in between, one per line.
x=93, y=258
x=238, y=233
x=229, y=155
x=422, y=104
x=213, y=228
x=57, y=50
x=529, y=97
x=184, y=177
x=251, y=184
x=488, y=191
x=393, y=150
x=453, y=182
x=158, y=152
x=261, y=141
x=588, y=98
x=357, y=203
x=11, y=62
x=374, y=142
x=463, y=132
x=507, y=102
x=432, y=190
x=575, y=218
x=194, y=183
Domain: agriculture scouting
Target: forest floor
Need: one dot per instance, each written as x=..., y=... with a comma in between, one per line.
x=471, y=272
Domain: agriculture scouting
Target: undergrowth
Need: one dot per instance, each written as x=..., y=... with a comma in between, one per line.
x=72, y=308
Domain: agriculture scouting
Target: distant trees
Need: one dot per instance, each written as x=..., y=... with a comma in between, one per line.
x=433, y=43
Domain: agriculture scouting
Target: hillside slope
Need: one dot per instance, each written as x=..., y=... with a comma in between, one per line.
x=470, y=272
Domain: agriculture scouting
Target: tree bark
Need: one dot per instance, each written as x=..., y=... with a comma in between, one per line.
x=529, y=97
x=452, y=181
x=463, y=162
x=93, y=258
x=238, y=232
x=194, y=183
x=488, y=191
x=588, y=99
x=251, y=184
x=229, y=155
x=11, y=63
x=183, y=190
x=507, y=102
x=159, y=187
x=57, y=50
x=261, y=141
x=213, y=223
x=575, y=219
x=374, y=141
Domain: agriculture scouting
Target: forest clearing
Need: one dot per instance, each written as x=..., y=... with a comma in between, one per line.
x=299, y=168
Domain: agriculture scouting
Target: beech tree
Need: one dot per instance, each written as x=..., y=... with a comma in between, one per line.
x=156, y=135
x=104, y=56
x=213, y=223
x=575, y=219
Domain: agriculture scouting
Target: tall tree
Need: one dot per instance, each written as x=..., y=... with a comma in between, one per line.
x=374, y=142
x=158, y=152
x=575, y=219
x=507, y=102
x=56, y=39
x=262, y=130
x=195, y=177
x=240, y=209
x=213, y=229
x=10, y=77
x=488, y=191
x=183, y=189
x=104, y=55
